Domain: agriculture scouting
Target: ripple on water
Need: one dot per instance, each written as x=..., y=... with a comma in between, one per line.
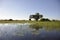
x=19, y=31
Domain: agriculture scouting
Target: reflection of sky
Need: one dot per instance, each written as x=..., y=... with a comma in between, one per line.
x=13, y=29
x=22, y=32
x=21, y=9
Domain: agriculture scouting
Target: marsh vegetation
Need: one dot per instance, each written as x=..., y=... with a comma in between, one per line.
x=36, y=24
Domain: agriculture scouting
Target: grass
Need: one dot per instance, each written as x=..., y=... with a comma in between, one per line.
x=37, y=24
x=13, y=21
x=48, y=25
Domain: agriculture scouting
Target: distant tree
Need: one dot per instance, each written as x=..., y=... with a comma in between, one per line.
x=36, y=16
x=53, y=20
x=44, y=19
x=47, y=19
x=10, y=19
x=30, y=19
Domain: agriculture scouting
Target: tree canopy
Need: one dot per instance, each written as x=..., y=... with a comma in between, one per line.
x=36, y=16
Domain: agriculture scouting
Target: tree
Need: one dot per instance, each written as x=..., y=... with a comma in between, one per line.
x=36, y=16
x=45, y=19
x=30, y=19
x=10, y=19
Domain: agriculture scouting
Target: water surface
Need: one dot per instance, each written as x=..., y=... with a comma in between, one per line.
x=24, y=32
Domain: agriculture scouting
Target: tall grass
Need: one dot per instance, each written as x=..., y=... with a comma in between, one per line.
x=48, y=25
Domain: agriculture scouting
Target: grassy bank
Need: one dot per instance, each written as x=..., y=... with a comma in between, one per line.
x=13, y=21
x=46, y=24
x=40, y=23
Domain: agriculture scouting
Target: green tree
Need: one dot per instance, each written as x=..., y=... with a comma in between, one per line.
x=45, y=19
x=36, y=16
x=10, y=19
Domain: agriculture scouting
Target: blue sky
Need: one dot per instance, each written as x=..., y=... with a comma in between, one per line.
x=21, y=9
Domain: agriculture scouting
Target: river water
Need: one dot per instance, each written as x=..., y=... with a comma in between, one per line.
x=24, y=32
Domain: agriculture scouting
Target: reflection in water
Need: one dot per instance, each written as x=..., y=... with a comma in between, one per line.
x=24, y=32
x=35, y=32
x=36, y=26
x=36, y=29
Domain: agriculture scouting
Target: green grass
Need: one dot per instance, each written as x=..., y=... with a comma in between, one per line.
x=48, y=25
x=14, y=21
x=36, y=24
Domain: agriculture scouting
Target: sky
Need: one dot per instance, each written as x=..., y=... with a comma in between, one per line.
x=21, y=9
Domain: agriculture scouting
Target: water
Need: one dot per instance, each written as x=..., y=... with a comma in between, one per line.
x=24, y=32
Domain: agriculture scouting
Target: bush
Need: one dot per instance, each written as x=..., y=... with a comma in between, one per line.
x=44, y=19
x=29, y=19
x=10, y=19
x=53, y=20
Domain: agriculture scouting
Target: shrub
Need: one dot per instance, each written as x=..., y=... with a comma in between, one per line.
x=44, y=19
x=10, y=19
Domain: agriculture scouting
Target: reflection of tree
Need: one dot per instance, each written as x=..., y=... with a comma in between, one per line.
x=36, y=26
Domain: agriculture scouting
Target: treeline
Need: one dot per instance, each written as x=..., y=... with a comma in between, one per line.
x=7, y=20
x=42, y=19
x=36, y=16
x=39, y=17
x=46, y=19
